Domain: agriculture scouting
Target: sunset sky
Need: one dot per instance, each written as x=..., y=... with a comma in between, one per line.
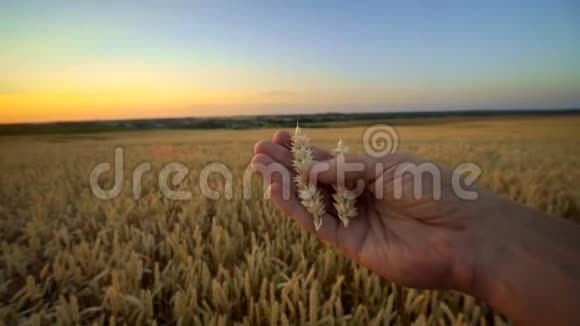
x=71, y=60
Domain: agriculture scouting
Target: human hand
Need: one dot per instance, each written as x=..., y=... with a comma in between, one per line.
x=489, y=247
x=423, y=242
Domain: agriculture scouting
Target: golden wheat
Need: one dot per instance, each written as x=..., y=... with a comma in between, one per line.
x=69, y=258
x=344, y=199
x=310, y=195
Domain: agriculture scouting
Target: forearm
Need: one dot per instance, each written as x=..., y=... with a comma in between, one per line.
x=528, y=266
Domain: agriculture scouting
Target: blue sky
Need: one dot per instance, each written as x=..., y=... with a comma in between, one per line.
x=192, y=58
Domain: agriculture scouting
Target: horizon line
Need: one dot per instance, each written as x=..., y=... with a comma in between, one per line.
x=562, y=110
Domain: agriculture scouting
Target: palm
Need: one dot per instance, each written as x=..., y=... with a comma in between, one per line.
x=389, y=241
x=408, y=241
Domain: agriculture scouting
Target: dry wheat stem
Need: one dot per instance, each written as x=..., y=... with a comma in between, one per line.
x=68, y=258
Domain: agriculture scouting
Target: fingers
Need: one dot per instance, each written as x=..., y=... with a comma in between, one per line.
x=284, y=139
x=276, y=151
x=293, y=208
x=282, y=193
x=347, y=169
x=282, y=154
x=272, y=171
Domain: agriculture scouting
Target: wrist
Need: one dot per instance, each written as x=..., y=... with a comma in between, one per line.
x=520, y=261
x=488, y=245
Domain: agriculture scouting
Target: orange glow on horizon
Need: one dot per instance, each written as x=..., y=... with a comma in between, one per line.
x=114, y=104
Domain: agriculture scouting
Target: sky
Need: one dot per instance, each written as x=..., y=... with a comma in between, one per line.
x=86, y=60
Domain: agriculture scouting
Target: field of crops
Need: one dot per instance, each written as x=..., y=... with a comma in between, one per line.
x=68, y=257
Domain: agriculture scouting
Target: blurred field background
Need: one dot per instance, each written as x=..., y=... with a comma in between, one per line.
x=67, y=257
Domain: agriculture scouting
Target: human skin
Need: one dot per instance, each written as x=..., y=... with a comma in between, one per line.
x=523, y=262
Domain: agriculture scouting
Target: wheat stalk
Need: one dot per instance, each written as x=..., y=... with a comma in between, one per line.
x=78, y=260
x=344, y=199
x=310, y=196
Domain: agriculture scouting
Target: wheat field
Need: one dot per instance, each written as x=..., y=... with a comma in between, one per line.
x=69, y=258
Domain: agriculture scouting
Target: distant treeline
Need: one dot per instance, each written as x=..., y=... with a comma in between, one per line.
x=322, y=120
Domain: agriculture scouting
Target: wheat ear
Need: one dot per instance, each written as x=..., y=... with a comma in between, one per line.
x=309, y=194
x=344, y=199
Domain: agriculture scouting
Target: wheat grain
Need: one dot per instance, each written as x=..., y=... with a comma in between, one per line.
x=344, y=199
x=310, y=196
x=166, y=255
